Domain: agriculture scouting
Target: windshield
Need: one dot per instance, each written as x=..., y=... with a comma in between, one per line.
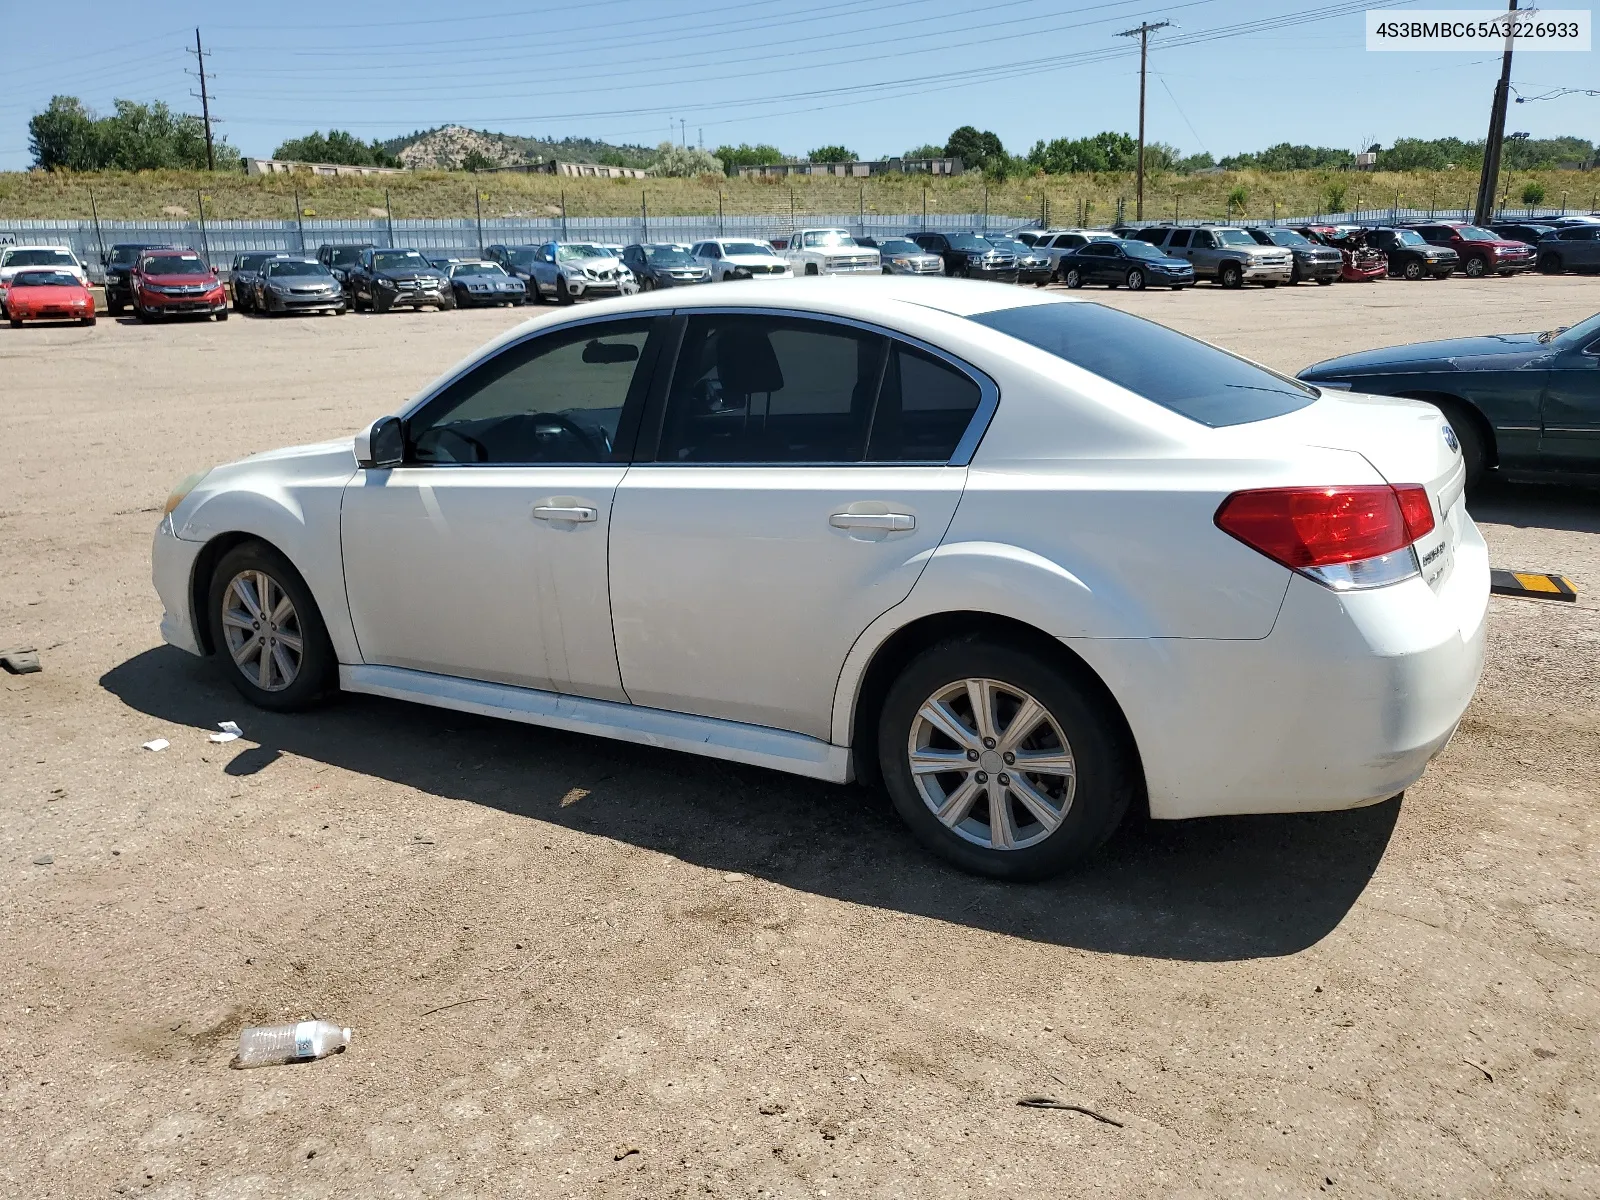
x=127, y=254
x=732, y=248
x=24, y=279
x=1173, y=370
x=580, y=250
x=175, y=264
x=250, y=262
x=1580, y=334
x=521, y=258
x=1471, y=233
x=1135, y=249
x=898, y=246
x=1234, y=237
x=298, y=268
x=399, y=260
x=823, y=238
x=669, y=257
x=343, y=256
x=1000, y=243
x=39, y=258
x=1409, y=237
x=477, y=269
x=1287, y=237
x=966, y=241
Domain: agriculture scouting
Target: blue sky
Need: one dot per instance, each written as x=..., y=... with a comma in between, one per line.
x=878, y=77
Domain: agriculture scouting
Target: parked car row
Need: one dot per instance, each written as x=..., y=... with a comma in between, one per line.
x=159, y=281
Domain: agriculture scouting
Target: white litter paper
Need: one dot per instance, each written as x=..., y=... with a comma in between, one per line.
x=157, y=744
x=230, y=731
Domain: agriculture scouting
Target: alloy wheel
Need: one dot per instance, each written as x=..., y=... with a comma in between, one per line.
x=263, y=630
x=991, y=763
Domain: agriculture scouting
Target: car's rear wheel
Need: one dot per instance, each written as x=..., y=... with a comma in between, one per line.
x=1550, y=264
x=1230, y=276
x=268, y=637
x=1073, y=278
x=1001, y=763
x=1476, y=267
x=113, y=310
x=1135, y=280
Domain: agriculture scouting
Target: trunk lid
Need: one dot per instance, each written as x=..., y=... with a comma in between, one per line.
x=1406, y=441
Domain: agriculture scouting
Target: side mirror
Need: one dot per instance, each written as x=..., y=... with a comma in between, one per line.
x=381, y=444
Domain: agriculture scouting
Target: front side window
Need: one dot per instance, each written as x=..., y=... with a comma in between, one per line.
x=1173, y=370
x=552, y=399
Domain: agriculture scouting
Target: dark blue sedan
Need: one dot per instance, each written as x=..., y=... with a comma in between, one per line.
x=1527, y=403
x=1125, y=263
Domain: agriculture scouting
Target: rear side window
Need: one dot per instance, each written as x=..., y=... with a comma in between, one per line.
x=1171, y=369
x=757, y=389
x=1180, y=238
x=923, y=409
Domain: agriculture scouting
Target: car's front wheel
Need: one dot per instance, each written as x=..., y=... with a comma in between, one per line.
x=1476, y=267
x=1135, y=280
x=268, y=637
x=1002, y=763
x=1230, y=276
x=1550, y=264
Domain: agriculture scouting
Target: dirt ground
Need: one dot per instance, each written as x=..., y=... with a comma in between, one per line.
x=578, y=968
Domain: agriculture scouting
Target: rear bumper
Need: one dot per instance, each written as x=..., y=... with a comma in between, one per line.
x=1344, y=703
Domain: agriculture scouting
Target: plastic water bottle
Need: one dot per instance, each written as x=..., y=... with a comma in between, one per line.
x=268, y=1045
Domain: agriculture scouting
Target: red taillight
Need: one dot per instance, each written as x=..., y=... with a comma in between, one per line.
x=1321, y=526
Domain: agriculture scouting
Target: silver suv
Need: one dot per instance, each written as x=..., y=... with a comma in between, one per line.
x=1224, y=253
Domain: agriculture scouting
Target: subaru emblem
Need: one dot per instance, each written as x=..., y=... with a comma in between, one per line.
x=1451, y=440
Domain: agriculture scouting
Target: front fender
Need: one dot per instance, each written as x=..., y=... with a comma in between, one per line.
x=296, y=510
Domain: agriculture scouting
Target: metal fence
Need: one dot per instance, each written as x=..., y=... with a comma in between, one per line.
x=219, y=241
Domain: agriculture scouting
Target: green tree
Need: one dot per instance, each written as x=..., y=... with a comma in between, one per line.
x=831, y=154
x=682, y=162
x=929, y=150
x=1103, y=152
x=336, y=147
x=476, y=160
x=65, y=137
x=746, y=155
x=1333, y=197
x=976, y=150
x=1533, y=193
x=1191, y=163
x=1238, y=197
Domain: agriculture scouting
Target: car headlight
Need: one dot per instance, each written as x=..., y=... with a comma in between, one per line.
x=185, y=485
x=901, y=262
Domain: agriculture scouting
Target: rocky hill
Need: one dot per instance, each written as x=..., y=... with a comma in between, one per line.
x=449, y=145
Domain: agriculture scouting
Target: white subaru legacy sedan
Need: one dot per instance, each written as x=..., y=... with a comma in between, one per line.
x=1025, y=560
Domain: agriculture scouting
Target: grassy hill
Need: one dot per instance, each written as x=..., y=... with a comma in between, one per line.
x=450, y=194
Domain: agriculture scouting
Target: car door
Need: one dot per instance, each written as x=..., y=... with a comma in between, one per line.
x=1091, y=262
x=483, y=556
x=1580, y=247
x=1570, y=410
x=792, y=478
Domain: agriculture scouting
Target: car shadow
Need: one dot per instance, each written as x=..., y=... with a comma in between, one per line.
x=1575, y=508
x=1206, y=890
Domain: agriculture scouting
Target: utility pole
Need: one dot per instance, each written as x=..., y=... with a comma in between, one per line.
x=1143, y=33
x=683, y=132
x=205, y=99
x=1497, y=133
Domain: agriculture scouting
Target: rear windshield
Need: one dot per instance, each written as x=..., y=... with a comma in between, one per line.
x=1175, y=371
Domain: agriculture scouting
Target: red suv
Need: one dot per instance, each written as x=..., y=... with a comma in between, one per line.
x=172, y=282
x=1481, y=251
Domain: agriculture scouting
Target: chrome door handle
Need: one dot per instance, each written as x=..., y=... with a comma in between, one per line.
x=894, y=522
x=552, y=512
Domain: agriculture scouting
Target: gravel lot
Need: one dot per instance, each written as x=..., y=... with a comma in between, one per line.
x=673, y=977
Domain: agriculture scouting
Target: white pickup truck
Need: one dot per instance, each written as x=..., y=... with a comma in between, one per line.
x=829, y=252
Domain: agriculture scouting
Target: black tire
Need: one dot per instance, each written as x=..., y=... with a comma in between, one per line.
x=16, y=322
x=1475, y=450
x=1550, y=264
x=1105, y=777
x=1324, y=283
x=381, y=303
x=88, y=320
x=113, y=310
x=1073, y=278
x=811, y=268
x=318, y=668
x=139, y=312
x=1475, y=267
x=1230, y=275
x=1135, y=280
x=563, y=296
x=1412, y=270
x=223, y=315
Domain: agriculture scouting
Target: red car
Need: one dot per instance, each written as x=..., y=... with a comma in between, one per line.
x=1481, y=252
x=48, y=295
x=1360, y=263
x=170, y=283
